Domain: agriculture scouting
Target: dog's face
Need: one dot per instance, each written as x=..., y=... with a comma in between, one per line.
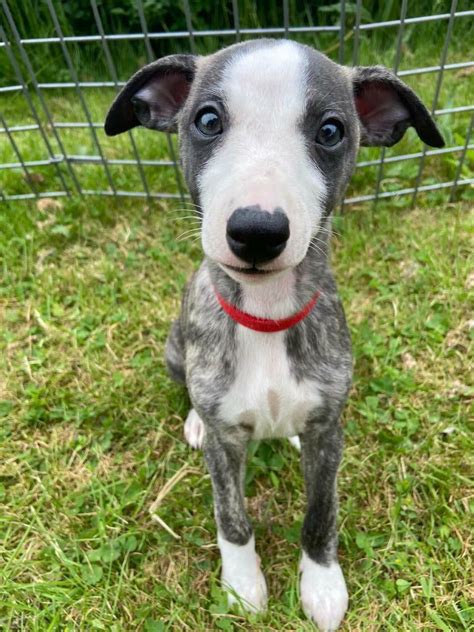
x=269, y=132
x=279, y=146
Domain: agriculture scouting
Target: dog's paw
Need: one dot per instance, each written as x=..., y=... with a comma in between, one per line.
x=242, y=577
x=323, y=593
x=295, y=442
x=248, y=592
x=194, y=429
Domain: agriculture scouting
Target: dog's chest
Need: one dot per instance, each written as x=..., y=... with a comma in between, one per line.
x=265, y=397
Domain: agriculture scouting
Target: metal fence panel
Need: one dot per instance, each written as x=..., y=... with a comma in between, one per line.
x=51, y=139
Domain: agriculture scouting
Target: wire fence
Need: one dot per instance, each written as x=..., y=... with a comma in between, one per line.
x=51, y=141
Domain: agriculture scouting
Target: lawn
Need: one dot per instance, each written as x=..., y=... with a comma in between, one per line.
x=91, y=428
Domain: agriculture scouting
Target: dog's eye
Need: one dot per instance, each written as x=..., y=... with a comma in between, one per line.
x=330, y=134
x=209, y=122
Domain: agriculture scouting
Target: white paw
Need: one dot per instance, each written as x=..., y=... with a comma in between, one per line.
x=323, y=593
x=194, y=429
x=295, y=442
x=241, y=575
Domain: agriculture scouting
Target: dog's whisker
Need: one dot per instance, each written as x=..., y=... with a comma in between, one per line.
x=190, y=217
x=191, y=232
x=316, y=248
x=189, y=203
x=318, y=241
x=315, y=244
x=193, y=216
x=322, y=235
x=329, y=231
x=188, y=210
x=194, y=229
x=188, y=234
x=188, y=238
x=196, y=207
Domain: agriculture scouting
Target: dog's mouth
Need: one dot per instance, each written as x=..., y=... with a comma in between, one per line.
x=250, y=274
x=251, y=270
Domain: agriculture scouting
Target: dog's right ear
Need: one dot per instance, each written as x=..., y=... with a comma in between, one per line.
x=153, y=96
x=387, y=107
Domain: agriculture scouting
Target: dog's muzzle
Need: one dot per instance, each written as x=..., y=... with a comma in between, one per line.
x=257, y=236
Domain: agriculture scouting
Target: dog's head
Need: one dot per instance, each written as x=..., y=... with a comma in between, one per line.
x=269, y=131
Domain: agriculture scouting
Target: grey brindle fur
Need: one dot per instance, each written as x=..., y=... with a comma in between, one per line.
x=201, y=349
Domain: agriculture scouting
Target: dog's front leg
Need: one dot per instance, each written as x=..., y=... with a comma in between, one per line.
x=323, y=589
x=241, y=574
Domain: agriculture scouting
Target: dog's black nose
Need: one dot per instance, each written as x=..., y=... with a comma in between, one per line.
x=257, y=236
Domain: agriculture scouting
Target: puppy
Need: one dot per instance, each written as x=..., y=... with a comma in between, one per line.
x=269, y=132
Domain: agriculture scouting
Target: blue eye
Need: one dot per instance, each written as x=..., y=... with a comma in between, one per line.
x=330, y=134
x=208, y=122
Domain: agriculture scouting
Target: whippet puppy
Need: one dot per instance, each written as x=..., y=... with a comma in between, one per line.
x=269, y=132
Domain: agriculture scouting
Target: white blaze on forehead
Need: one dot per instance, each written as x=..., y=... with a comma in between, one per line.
x=263, y=158
x=266, y=87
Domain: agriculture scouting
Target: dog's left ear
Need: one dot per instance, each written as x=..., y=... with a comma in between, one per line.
x=386, y=107
x=153, y=96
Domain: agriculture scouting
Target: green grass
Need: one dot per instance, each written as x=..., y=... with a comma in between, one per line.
x=91, y=429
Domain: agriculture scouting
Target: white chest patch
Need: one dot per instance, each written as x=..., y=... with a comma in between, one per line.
x=265, y=395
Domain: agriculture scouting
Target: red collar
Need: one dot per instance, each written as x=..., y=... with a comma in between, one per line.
x=266, y=325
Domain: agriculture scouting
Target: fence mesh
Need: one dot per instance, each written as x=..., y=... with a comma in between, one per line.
x=51, y=137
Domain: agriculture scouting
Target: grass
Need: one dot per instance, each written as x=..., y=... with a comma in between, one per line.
x=91, y=429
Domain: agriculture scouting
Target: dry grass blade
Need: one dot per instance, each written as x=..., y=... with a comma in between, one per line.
x=164, y=491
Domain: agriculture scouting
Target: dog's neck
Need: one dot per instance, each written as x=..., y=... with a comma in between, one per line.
x=276, y=296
